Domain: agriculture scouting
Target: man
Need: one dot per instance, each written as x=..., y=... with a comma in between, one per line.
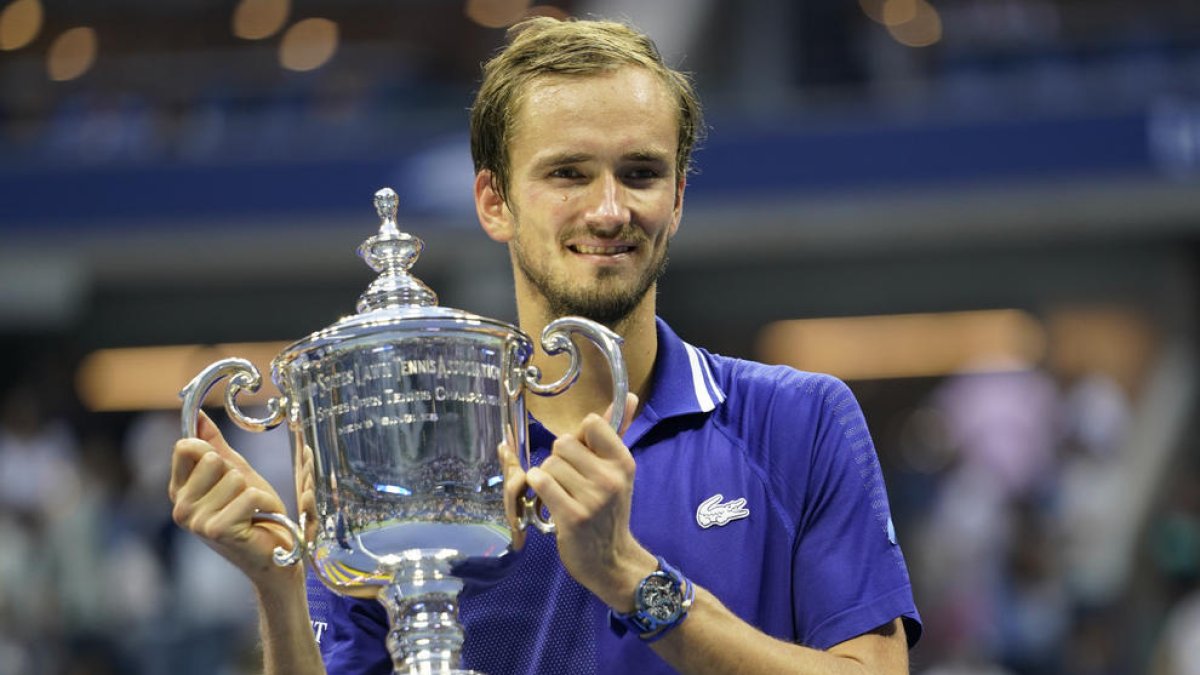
x=748, y=496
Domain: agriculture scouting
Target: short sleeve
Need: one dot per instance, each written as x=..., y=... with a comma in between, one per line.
x=849, y=574
x=351, y=633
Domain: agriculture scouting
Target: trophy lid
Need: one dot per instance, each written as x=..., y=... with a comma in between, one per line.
x=392, y=253
x=396, y=303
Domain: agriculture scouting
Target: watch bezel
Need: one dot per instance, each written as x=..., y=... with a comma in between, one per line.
x=659, y=590
x=664, y=588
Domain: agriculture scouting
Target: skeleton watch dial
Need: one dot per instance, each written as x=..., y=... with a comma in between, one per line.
x=660, y=597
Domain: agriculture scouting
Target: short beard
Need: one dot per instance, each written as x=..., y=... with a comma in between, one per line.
x=609, y=307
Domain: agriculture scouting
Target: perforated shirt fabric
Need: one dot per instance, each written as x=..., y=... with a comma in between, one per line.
x=810, y=556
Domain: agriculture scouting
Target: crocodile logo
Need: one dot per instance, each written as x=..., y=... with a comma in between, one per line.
x=712, y=512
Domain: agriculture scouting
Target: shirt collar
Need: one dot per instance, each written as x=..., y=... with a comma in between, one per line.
x=682, y=384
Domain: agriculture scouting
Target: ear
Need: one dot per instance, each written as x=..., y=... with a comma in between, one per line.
x=677, y=211
x=494, y=216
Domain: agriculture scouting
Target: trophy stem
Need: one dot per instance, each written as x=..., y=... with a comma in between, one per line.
x=425, y=637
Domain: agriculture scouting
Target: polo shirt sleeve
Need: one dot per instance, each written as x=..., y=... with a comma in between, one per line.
x=848, y=573
x=351, y=633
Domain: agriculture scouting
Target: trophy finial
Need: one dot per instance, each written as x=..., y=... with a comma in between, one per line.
x=391, y=253
x=387, y=203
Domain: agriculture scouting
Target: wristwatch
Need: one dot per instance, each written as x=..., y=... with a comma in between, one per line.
x=661, y=603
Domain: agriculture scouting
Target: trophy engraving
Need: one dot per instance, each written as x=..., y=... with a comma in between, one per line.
x=395, y=415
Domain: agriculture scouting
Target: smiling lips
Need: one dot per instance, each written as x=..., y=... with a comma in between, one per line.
x=614, y=249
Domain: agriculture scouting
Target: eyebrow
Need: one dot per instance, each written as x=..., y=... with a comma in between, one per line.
x=646, y=155
x=564, y=158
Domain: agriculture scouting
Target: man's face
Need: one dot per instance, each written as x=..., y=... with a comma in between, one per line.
x=593, y=197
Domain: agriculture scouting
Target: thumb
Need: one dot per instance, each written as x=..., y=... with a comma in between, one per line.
x=631, y=404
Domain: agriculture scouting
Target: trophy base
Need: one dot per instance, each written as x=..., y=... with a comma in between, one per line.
x=424, y=636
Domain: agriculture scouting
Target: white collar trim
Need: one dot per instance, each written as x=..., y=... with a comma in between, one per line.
x=703, y=381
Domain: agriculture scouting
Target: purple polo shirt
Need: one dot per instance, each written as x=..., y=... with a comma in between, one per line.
x=809, y=556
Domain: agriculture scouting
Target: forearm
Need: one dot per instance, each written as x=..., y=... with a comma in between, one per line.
x=712, y=640
x=286, y=630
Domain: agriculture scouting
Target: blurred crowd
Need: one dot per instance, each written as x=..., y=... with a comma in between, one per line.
x=94, y=576
x=189, y=91
x=1026, y=545
x=1004, y=486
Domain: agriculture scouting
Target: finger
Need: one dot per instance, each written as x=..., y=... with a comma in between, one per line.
x=306, y=458
x=596, y=433
x=568, y=474
x=518, y=538
x=184, y=456
x=195, y=494
x=582, y=458
x=631, y=404
x=593, y=481
x=216, y=497
x=305, y=477
x=188, y=455
x=514, y=511
x=237, y=517
x=514, y=485
x=508, y=459
x=514, y=491
x=191, y=495
x=631, y=407
x=208, y=431
x=556, y=499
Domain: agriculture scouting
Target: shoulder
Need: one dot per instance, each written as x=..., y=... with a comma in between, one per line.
x=798, y=428
x=788, y=417
x=785, y=419
x=778, y=395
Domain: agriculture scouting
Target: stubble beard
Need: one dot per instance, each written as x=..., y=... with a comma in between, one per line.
x=606, y=301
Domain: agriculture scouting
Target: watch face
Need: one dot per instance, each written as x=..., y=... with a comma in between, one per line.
x=659, y=597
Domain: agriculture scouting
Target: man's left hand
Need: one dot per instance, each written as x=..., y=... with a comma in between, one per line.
x=587, y=486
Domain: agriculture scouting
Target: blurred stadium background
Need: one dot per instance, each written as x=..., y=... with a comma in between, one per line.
x=983, y=214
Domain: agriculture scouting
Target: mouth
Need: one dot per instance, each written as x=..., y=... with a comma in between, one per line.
x=606, y=250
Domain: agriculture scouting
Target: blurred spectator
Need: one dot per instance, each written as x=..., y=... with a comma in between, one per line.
x=985, y=558
x=1179, y=649
x=1006, y=426
x=1175, y=538
x=1033, y=608
x=23, y=589
x=1096, y=416
x=38, y=475
x=37, y=456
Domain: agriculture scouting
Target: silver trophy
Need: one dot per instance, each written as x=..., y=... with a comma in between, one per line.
x=396, y=414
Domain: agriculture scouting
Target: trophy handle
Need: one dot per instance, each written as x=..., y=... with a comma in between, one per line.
x=556, y=338
x=243, y=376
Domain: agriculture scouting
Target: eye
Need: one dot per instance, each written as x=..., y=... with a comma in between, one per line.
x=642, y=175
x=568, y=172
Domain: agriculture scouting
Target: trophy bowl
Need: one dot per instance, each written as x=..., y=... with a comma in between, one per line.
x=395, y=415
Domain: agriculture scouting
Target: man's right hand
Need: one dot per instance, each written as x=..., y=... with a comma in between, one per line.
x=216, y=494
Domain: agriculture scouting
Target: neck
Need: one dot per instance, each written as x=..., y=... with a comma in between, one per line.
x=592, y=392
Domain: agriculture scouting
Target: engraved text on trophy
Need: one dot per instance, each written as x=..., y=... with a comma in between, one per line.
x=416, y=426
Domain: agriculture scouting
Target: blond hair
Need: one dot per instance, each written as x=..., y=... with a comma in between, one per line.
x=545, y=46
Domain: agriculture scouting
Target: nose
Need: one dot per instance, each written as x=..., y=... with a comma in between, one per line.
x=609, y=212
